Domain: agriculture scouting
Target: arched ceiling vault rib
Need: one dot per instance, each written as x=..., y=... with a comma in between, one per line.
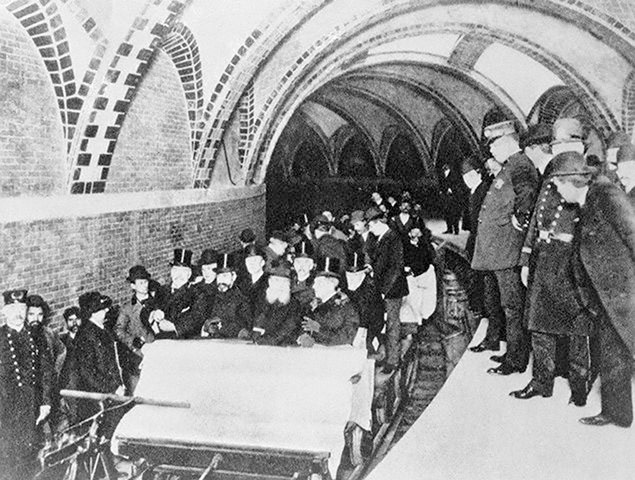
x=396, y=112
x=323, y=137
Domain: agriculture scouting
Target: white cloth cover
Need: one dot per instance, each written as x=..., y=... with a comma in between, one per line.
x=248, y=395
x=421, y=302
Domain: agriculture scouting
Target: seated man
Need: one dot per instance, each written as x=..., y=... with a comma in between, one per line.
x=276, y=250
x=366, y=298
x=277, y=318
x=230, y=317
x=302, y=281
x=333, y=319
x=207, y=289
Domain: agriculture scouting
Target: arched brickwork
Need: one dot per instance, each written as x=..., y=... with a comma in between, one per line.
x=101, y=124
x=628, y=104
x=387, y=140
x=182, y=48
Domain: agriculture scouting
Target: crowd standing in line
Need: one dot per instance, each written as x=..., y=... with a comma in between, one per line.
x=552, y=246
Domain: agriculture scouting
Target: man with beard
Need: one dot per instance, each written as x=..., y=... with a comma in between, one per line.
x=207, y=289
x=302, y=281
x=254, y=284
x=333, y=319
x=69, y=376
x=230, y=317
x=503, y=220
x=404, y=222
x=177, y=318
x=277, y=318
x=366, y=298
x=132, y=328
x=25, y=391
x=604, y=272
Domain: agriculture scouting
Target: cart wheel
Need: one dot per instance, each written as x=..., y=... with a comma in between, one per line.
x=355, y=437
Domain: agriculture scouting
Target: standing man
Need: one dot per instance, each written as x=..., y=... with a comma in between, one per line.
x=502, y=222
x=604, y=269
x=387, y=262
x=25, y=391
x=69, y=377
x=132, y=328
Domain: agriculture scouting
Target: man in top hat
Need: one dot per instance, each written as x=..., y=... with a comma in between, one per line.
x=25, y=391
x=449, y=193
x=361, y=289
x=387, y=263
x=133, y=329
x=324, y=243
x=254, y=283
x=177, y=318
x=362, y=240
x=277, y=317
x=98, y=365
x=207, y=289
x=333, y=319
x=626, y=170
x=276, y=249
x=302, y=279
x=230, y=316
x=604, y=271
x=247, y=239
x=551, y=312
x=502, y=222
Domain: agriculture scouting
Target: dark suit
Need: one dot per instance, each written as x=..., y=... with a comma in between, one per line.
x=234, y=311
x=255, y=292
x=370, y=307
x=388, y=272
x=606, y=286
x=338, y=321
x=403, y=228
x=498, y=246
x=178, y=308
x=329, y=246
x=281, y=323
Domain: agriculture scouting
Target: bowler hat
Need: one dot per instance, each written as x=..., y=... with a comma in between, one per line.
x=304, y=249
x=355, y=262
x=92, y=302
x=328, y=267
x=209, y=256
x=247, y=235
x=537, y=134
x=570, y=163
x=279, y=269
x=138, y=272
x=14, y=296
x=182, y=258
x=226, y=263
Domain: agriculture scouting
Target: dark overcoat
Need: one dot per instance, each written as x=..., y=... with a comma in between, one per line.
x=388, y=266
x=178, y=308
x=281, y=323
x=370, y=306
x=338, y=319
x=233, y=309
x=512, y=193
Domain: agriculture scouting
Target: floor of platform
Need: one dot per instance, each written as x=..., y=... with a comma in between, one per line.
x=474, y=430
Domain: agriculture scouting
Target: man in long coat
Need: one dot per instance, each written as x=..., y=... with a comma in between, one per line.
x=605, y=276
x=503, y=219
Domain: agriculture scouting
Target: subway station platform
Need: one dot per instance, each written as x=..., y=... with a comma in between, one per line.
x=474, y=430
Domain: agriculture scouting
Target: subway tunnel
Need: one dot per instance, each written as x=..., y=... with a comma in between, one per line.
x=130, y=128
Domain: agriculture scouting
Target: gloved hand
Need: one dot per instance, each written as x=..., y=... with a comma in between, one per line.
x=305, y=340
x=244, y=334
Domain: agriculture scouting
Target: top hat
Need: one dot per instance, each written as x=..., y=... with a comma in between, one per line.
x=247, y=235
x=14, y=296
x=182, y=258
x=226, y=263
x=537, y=134
x=373, y=213
x=304, y=249
x=209, y=256
x=328, y=267
x=567, y=130
x=92, y=302
x=355, y=262
x=138, y=272
x=279, y=269
x=497, y=130
x=570, y=163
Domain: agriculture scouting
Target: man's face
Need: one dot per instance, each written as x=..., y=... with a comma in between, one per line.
x=360, y=227
x=15, y=314
x=225, y=281
x=278, y=246
x=472, y=179
x=140, y=286
x=180, y=274
x=494, y=166
x=99, y=316
x=496, y=148
x=404, y=207
x=376, y=197
x=324, y=287
x=355, y=279
x=568, y=190
x=375, y=227
x=209, y=272
x=303, y=266
x=626, y=174
x=254, y=264
x=73, y=322
x=34, y=316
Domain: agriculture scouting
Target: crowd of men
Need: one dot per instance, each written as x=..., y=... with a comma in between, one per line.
x=322, y=282
x=552, y=240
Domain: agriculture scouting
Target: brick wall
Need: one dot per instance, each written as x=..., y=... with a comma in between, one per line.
x=153, y=151
x=31, y=137
x=59, y=258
